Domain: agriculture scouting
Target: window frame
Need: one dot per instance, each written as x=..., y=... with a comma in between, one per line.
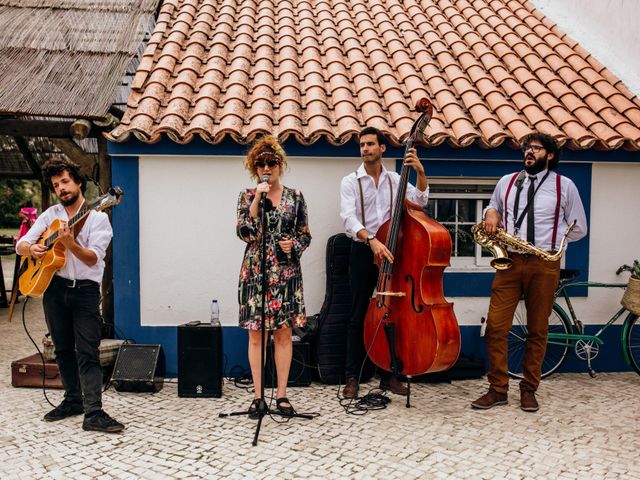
x=465, y=263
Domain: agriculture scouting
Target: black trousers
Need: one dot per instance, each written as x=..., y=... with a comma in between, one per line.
x=363, y=275
x=74, y=321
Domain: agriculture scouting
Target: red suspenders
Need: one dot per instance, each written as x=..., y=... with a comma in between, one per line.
x=557, y=211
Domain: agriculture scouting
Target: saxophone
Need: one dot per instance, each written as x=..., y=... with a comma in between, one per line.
x=497, y=243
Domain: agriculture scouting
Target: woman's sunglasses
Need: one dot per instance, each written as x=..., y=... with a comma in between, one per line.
x=270, y=163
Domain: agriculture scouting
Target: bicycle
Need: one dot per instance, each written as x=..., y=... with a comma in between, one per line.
x=566, y=332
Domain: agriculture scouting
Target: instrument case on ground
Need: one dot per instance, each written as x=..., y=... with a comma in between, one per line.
x=330, y=342
x=27, y=372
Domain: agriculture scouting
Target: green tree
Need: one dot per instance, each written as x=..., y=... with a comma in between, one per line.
x=13, y=193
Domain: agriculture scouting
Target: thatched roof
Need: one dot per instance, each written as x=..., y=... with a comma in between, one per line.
x=67, y=57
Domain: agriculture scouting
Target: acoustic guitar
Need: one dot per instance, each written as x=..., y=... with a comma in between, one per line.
x=36, y=274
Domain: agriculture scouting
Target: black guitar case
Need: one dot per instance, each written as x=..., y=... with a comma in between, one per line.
x=331, y=334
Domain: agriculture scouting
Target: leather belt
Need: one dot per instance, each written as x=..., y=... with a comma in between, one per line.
x=65, y=282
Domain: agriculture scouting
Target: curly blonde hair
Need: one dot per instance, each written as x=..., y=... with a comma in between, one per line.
x=265, y=146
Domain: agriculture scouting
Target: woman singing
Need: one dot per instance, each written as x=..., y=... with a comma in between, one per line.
x=287, y=237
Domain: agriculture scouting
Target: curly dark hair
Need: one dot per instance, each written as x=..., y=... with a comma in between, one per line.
x=373, y=131
x=53, y=168
x=549, y=144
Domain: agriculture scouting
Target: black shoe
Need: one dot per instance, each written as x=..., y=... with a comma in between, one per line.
x=101, y=422
x=64, y=410
x=285, y=410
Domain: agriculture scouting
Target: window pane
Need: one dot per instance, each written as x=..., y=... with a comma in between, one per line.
x=466, y=245
x=467, y=211
x=446, y=210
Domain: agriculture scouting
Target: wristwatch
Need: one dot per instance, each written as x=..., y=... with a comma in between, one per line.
x=369, y=238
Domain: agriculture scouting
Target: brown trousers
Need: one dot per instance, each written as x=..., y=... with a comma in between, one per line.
x=536, y=280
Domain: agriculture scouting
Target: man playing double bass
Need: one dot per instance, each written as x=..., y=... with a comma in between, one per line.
x=535, y=205
x=366, y=200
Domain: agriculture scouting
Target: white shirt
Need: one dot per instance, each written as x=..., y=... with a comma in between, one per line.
x=95, y=235
x=377, y=200
x=544, y=208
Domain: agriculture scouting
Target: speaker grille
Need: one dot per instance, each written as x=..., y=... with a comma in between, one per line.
x=199, y=360
x=139, y=368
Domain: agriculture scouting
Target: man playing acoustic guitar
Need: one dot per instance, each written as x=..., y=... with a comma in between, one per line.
x=71, y=301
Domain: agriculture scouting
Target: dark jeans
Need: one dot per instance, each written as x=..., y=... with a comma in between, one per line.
x=363, y=275
x=74, y=321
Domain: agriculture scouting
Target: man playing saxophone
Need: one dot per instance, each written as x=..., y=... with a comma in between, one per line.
x=535, y=205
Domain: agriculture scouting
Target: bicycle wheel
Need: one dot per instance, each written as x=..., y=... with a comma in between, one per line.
x=556, y=349
x=631, y=340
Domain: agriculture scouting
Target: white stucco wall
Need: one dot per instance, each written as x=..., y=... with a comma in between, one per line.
x=189, y=251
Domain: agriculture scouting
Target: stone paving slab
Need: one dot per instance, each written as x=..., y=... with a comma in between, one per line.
x=586, y=428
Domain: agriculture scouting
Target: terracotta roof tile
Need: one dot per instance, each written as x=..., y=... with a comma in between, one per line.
x=494, y=69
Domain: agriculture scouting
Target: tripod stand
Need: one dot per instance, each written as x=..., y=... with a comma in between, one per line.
x=261, y=407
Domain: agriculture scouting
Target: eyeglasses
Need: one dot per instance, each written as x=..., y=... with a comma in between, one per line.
x=272, y=163
x=535, y=148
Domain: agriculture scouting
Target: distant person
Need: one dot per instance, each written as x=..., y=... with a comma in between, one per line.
x=28, y=214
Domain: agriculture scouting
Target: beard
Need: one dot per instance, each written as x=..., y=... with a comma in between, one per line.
x=540, y=165
x=70, y=200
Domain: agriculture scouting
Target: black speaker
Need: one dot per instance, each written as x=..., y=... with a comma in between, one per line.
x=139, y=368
x=200, y=360
x=299, y=373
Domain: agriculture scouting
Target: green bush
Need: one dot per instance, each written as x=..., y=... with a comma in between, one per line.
x=13, y=193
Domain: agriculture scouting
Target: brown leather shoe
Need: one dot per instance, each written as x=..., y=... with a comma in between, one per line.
x=528, y=402
x=351, y=388
x=394, y=385
x=490, y=399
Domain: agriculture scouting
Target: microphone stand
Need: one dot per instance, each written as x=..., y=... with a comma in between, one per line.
x=262, y=409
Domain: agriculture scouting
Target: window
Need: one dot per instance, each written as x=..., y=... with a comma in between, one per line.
x=457, y=203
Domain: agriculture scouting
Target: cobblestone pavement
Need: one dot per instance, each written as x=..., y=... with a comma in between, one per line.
x=586, y=428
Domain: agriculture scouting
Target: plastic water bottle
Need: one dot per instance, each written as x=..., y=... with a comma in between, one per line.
x=215, y=313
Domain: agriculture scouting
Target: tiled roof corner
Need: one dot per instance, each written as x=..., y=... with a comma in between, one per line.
x=494, y=69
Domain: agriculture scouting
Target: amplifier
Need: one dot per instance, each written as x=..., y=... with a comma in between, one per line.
x=299, y=373
x=139, y=368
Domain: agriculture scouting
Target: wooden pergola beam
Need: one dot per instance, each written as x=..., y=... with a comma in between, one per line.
x=75, y=153
x=23, y=146
x=40, y=128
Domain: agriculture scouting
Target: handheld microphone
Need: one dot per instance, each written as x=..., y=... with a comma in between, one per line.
x=265, y=178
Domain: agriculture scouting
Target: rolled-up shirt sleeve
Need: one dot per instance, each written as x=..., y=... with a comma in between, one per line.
x=416, y=196
x=100, y=235
x=352, y=224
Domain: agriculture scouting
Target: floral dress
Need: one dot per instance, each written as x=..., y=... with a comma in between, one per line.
x=284, y=296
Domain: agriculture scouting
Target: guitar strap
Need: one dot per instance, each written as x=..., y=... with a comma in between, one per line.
x=80, y=223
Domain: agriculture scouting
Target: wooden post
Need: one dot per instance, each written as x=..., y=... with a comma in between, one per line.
x=104, y=180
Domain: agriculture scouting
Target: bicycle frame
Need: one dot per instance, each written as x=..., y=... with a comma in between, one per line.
x=576, y=323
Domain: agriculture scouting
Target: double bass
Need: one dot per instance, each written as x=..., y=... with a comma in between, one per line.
x=410, y=328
